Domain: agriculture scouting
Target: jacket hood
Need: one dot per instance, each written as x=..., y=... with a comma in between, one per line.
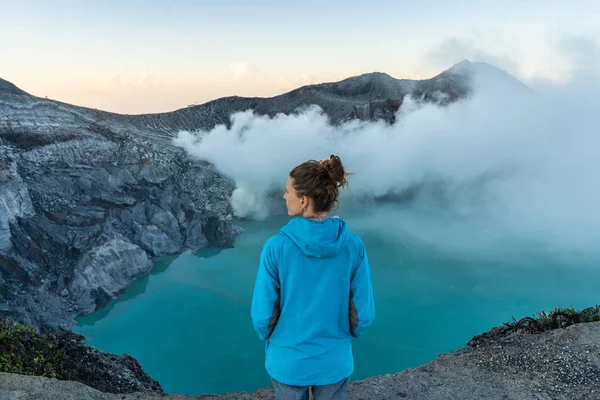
x=317, y=238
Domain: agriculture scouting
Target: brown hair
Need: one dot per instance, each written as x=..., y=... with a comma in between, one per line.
x=321, y=181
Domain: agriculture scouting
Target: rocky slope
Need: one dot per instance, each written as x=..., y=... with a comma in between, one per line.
x=560, y=364
x=87, y=197
x=64, y=355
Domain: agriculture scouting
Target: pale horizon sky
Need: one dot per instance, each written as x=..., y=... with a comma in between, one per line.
x=158, y=56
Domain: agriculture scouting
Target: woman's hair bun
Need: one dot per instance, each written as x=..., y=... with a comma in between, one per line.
x=335, y=168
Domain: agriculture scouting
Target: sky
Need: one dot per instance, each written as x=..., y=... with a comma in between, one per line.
x=136, y=57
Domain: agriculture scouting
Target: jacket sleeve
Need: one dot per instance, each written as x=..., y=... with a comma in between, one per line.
x=362, y=303
x=265, y=300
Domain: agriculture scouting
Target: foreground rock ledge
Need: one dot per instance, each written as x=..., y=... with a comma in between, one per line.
x=561, y=364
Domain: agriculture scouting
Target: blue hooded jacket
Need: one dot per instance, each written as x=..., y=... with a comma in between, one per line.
x=313, y=294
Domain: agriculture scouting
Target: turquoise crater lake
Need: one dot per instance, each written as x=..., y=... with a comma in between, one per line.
x=438, y=281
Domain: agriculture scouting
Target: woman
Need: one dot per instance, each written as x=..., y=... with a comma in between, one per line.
x=313, y=290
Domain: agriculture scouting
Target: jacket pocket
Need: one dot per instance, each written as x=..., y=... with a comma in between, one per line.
x=353, y=315
x=275, y=316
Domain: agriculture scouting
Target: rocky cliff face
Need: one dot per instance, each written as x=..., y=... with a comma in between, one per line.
x=86, y=200
x=87, y=197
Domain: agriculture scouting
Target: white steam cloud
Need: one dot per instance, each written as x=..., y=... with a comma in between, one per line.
x=525, y=162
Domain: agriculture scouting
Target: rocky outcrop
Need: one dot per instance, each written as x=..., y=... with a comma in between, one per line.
x=63, y=355
x=113, y=265
x=86, y=196
x=563, y=364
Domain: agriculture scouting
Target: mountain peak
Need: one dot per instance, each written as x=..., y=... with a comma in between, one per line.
x=461, y=67
x=466, y=67
x=377, y=75
x=483, y=71
x=371, y=77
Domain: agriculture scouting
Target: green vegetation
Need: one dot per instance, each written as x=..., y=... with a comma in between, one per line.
x=558, y=318
x=543, y=322
x=566, y=316
x=23, y=351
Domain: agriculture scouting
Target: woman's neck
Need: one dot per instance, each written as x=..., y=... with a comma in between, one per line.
x=311, y=215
